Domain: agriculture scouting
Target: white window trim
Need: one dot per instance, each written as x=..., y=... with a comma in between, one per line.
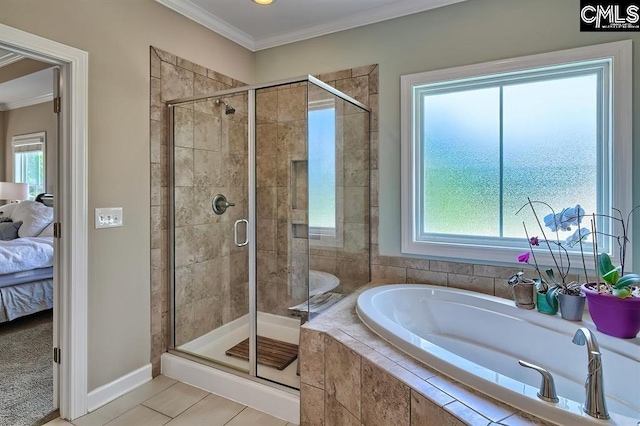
x=31, y=139
x=621, y=147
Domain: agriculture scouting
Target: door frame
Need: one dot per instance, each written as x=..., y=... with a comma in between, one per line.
x=71, y=211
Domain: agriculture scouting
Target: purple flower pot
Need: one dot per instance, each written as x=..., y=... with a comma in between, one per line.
x=612, y=315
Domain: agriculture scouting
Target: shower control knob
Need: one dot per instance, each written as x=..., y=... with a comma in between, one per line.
x=220, y=204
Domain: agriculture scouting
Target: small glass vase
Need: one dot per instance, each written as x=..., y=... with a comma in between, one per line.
x=544, y=306
x=523, y=295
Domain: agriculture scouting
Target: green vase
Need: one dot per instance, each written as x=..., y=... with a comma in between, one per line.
x=544, y=306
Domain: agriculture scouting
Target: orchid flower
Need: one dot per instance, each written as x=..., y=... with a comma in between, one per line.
x=524, y=257
x=565, y=219
x=577, y=236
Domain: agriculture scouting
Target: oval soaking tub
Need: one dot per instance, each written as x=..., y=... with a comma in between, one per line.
x=478, y=340
x=321, y=282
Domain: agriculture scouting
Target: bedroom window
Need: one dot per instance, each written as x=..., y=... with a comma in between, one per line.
x=479, y=140
x=29, y=161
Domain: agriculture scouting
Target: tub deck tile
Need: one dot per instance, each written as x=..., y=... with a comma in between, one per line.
x=417, y=368
x=523, y=419
x=466, y=414
x=361, y=349
x=490, y=408
x=421, y=386
x=425, y=412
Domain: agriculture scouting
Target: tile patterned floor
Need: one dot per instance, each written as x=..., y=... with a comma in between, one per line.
x=164, y=401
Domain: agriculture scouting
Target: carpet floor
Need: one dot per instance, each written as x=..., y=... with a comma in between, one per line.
x=26, y=371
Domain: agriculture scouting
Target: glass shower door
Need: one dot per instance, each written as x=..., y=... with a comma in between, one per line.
x=281, y=229
x=211, y=296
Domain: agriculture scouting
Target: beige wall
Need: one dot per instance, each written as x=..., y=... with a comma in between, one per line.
x=471, y=32
x=117, y=34
x=31, y=119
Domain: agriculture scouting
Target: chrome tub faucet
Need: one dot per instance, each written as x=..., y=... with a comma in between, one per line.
x=595, y=404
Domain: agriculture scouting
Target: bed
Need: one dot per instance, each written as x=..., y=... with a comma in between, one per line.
x=26, y=259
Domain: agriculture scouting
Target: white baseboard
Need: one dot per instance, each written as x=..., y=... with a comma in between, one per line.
x=107, y=393
x=279, y=403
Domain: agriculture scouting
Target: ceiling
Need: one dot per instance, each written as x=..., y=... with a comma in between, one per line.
x=28, y=90
x=259, y=27
x=7, y=57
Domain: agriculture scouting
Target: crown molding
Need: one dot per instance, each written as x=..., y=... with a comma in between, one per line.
x=6, y=106
x=382, y=13
x=208, y=20
x=372, y=16
x=9, y=59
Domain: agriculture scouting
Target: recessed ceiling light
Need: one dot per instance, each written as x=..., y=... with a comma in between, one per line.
x=264, y=1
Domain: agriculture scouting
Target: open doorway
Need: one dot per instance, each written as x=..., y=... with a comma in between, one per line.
x=70, y=214
x=28, y=189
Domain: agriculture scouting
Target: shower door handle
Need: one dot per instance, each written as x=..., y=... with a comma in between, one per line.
x=235, y=233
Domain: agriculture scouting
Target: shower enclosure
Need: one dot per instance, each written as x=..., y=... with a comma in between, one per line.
x=268, y=220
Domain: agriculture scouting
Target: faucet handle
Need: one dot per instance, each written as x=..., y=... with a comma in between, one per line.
x=547, y=390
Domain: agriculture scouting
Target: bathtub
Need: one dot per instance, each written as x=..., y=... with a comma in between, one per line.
x=321, y=282
x=478, y=340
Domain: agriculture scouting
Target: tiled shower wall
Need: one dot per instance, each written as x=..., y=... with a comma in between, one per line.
x=173, y=78
x=211, y=275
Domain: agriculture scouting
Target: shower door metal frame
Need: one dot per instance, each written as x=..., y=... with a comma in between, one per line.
x=251, y=230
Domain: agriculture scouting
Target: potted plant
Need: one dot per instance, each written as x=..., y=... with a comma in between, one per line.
x=522, y=291
x=558, y=291
x=614, y=298
x=546, y=306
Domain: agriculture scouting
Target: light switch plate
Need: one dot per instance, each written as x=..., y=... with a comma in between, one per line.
x=108, y=217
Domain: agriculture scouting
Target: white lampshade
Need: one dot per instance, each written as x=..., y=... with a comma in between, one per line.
x=13, y=191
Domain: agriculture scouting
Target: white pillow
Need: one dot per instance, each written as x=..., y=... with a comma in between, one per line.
x=35, y=217
x=8, y=209
x=47, y=232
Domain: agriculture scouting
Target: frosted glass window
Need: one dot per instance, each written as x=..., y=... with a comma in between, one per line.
x=322, y=171
x=486, y=150
x=550, y=146
x=479, y=140
x=461, y=165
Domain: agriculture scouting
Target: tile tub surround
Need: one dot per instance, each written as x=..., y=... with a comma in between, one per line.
x=172, y=77
x=350, y=376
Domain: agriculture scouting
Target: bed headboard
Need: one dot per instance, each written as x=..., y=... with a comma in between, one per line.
x=45, y=198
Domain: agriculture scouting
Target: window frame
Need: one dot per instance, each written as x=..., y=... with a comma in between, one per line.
x=618, y=150
x=30, y=139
